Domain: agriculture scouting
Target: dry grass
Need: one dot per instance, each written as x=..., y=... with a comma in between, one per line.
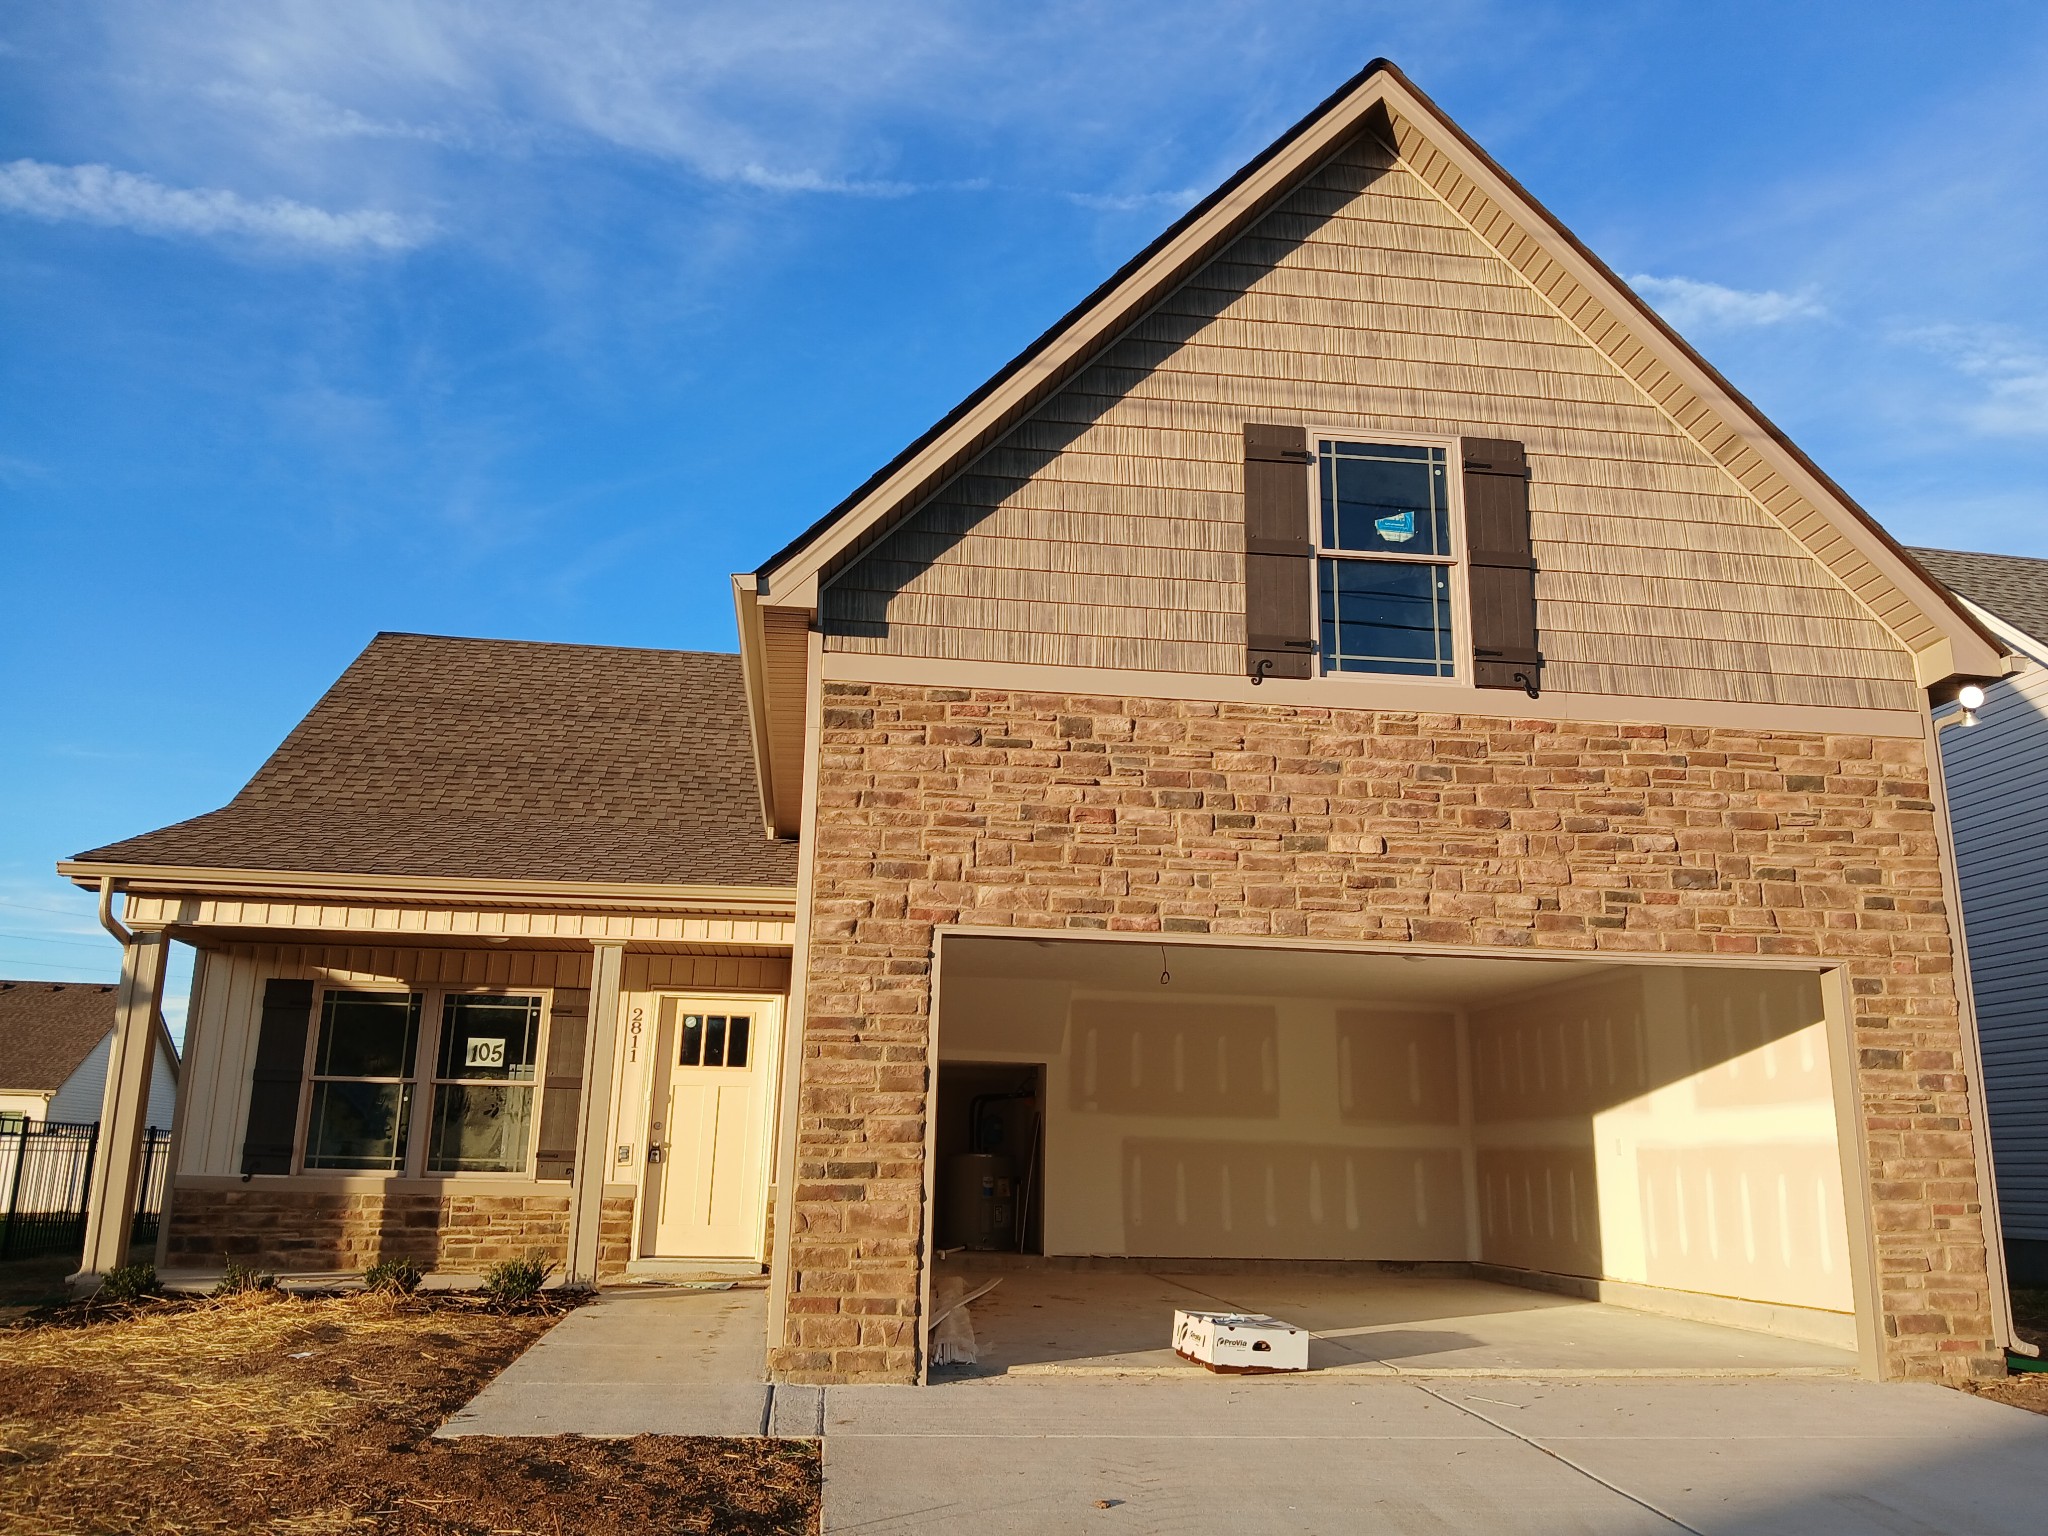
x=267, y=1413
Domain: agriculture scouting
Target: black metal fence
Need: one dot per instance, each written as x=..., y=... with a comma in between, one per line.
x=45, y=1171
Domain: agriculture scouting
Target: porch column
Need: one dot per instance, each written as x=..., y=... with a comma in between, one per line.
x=117, y=1162
x=593, y=1130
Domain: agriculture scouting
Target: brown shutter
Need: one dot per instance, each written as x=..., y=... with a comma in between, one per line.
x=278, y=1078
x=561, y=1094
x=1503, y=570
x=1279, y=555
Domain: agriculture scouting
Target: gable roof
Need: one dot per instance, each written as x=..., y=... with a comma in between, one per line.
x=1942, y=636
x=47, y=1028
x=2015, y=587
x=499, y=759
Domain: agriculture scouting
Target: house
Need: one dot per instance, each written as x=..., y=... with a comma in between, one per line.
x=55, y=1037
x=1997, y=775
x=1358, y=746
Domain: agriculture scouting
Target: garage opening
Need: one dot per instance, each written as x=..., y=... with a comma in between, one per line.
x=1430, y=1162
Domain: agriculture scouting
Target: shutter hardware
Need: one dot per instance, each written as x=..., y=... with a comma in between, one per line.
x=1266, y=453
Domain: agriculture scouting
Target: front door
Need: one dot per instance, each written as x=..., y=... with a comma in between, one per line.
x=707, y=1132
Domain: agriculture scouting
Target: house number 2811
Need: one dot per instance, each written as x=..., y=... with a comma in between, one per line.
x=633, y=1028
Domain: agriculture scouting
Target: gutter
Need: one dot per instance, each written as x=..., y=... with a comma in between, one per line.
x=185, y=879
x=107, y=919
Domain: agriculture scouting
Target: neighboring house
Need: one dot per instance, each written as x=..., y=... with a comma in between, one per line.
x=1359, y=725
x=55, y=1037
x=1997, y=773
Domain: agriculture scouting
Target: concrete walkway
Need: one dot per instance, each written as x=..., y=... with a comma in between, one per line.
x=1718, y=1458
x=654, y=1361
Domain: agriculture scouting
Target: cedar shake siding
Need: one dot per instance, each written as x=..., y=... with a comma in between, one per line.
x=1107, y=529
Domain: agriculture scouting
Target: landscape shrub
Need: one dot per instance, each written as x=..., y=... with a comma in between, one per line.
x=517, y=1279
x=394, y=1277
x=130, y=1282
x=240, y=1280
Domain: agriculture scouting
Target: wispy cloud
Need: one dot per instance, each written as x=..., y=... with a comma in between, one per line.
x=2013, y=368
x=1129, y=202
x=1690, y=304
x=99, y=194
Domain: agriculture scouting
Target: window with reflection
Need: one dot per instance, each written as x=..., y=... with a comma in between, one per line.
x=362, y=1083
x=484, y=1076
x=1384, y=559
x=715, y=1039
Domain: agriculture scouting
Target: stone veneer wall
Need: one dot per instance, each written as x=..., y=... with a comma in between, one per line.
x=944, y=805
x=287, y=1230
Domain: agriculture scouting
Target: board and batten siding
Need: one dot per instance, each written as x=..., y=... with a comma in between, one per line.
x=1997, y=778
x=1106, y=529
x=227, y=1007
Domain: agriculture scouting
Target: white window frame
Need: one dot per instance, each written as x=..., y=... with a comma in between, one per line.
x=1456, y=562
x=423, y=1081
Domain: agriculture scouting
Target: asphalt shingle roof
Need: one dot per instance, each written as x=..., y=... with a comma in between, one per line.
x=2015, y=587
x=502, y=759
x=47, y=1028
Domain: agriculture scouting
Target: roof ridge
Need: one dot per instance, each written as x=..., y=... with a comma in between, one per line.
x=553, y=645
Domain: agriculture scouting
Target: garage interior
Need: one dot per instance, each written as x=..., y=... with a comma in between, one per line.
x=1432, y=1162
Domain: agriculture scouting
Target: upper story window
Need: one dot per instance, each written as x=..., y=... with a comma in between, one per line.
x=1384, y=558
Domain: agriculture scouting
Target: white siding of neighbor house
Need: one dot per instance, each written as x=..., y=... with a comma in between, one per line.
x=82, y=1097
x=1997, y=776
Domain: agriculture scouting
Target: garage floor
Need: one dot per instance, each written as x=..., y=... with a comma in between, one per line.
x=1050, y=1322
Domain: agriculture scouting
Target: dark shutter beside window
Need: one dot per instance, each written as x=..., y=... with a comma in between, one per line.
x=278, y=1078
x=561, y=1096
x=1502, y=568
x=1279, y=556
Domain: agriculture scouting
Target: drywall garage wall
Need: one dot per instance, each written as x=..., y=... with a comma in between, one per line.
x=1222, y=1127
x=1662, y=1125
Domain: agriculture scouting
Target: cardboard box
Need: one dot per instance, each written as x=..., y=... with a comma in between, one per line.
x=1240, y=1343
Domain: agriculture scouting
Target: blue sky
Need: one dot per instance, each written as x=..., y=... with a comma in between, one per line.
x=537, y=319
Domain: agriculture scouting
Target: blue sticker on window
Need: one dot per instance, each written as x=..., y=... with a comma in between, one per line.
x=1397, y=529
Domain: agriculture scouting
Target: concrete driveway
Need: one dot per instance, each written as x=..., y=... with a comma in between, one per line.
x=1323, y=1453
x=1801, y=1457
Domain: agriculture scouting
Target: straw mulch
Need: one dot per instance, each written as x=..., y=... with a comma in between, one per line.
x=268, y=1413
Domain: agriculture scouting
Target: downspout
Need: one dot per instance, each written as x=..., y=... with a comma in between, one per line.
x=2003, y=1330
x=107, y=919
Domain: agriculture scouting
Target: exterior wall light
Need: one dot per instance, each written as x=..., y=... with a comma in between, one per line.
x=1971, y=697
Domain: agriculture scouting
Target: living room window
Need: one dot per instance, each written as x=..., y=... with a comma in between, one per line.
x=1384, y=559
x=483, y=1084
x=419, y=1082
x=362, y=1100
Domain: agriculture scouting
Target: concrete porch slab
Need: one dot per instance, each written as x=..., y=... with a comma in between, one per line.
x=1055, y=1322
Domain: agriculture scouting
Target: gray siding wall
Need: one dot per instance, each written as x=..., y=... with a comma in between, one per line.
x=1997, y=775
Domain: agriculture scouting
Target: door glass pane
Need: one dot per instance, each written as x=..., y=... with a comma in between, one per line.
x=367, y=1034
x=693, y=1040
x=1386, y=616
x=714, y=1041
x=1382, y=499
x=358, y=1125
x=493, y=1039
x=480, y=1128
x=736, y=1031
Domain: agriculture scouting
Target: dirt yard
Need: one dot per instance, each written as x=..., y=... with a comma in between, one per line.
x=2024, y=1389
x=267, y=1413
